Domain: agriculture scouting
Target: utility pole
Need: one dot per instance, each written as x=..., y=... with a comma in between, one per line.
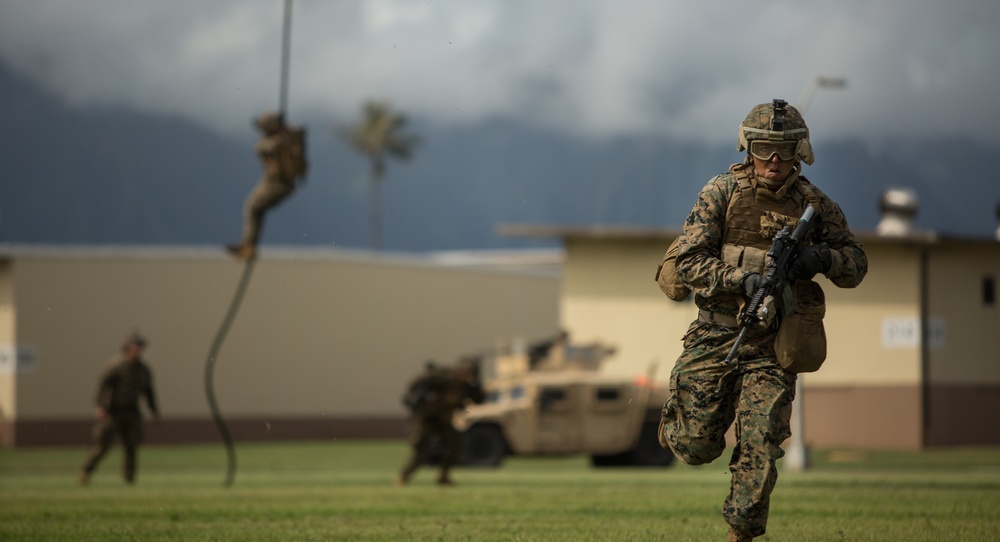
x=797, y=457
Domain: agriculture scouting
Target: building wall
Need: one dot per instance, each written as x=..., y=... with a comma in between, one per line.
x=320, y=341
x=875, y=417
x=867, y=326
x=868, y=392
x=8, y=355
x=965, y=338
x=963, y=385
x=609, y=294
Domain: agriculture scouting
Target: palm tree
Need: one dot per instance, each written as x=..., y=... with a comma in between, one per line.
x=378, y=136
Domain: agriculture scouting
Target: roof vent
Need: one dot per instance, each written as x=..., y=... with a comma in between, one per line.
x=899, y=209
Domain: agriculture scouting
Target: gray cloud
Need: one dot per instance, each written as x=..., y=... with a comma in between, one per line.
x=590, y=67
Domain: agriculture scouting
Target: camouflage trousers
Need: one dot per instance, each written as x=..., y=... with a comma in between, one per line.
x=126, y=424
x=708, y=396
x=269, y=192
x=429, y=435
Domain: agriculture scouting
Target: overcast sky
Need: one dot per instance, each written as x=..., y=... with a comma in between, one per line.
x=595, y=68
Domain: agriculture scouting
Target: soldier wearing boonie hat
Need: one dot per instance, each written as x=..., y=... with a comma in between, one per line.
x=126, y=380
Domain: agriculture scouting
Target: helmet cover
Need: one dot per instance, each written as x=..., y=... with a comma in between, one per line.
x=776, y=121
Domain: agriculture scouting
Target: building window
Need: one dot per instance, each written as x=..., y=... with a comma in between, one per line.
x=989, y=291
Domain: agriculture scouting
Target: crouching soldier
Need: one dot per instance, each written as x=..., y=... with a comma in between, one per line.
x=432, y=400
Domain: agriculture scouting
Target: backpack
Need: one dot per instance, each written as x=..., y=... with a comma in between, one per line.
x=292, y=153
x=666, y=274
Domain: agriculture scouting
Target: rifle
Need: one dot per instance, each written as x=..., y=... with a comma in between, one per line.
x=784, y=249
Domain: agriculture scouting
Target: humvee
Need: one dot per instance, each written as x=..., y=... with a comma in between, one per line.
x=560, y=403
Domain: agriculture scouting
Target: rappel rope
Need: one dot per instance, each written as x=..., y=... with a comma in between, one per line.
x=213, y=353
x=247, y=268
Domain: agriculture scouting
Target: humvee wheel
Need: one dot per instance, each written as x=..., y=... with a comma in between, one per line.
x=648, y=452
x=483, y=446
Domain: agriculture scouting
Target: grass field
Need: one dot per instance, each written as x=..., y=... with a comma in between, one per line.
x=343, y=491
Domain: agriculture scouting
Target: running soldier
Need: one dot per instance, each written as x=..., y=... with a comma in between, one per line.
x=721, y=257
x=432, y=400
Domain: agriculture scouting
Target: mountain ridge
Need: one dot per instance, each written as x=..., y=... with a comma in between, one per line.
x=108, y=175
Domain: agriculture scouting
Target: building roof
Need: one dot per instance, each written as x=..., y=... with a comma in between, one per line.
x=610, y=232
x=544, y=261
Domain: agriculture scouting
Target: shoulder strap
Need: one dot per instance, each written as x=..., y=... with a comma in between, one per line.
x=808, y=192
x=743, y=186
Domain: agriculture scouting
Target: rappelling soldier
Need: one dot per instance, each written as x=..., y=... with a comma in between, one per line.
x=282, y=153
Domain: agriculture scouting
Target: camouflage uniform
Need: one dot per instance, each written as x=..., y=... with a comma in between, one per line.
x=433, y=399
x=121, y=387
x=753, y=391
x=274, y=186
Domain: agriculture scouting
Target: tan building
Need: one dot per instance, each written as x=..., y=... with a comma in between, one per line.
x=326, y=340
x=887, y=383
x=323, y=346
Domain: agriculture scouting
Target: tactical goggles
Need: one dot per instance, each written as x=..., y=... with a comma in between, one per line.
x=763, y=149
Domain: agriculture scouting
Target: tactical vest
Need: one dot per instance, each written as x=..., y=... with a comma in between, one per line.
x=292, y=154
x=755, y=216
x=752, y=220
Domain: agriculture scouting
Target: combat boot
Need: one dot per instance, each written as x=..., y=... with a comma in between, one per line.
x=242, y=251
x=736, y=536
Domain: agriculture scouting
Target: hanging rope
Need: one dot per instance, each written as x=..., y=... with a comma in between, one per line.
x=286, y=47
x=234, y=306
x=213, y=353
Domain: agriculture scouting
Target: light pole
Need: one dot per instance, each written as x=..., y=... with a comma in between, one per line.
x=818, y=82
x=797, y=458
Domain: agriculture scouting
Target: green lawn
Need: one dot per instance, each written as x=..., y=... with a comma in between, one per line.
x=343, y=490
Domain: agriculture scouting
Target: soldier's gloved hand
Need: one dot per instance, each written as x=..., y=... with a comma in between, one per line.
x=811, y=260
x=751, y=282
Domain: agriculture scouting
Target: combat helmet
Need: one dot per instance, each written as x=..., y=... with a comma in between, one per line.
x=134, y=338
x=269, y=122
x=772, y=125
